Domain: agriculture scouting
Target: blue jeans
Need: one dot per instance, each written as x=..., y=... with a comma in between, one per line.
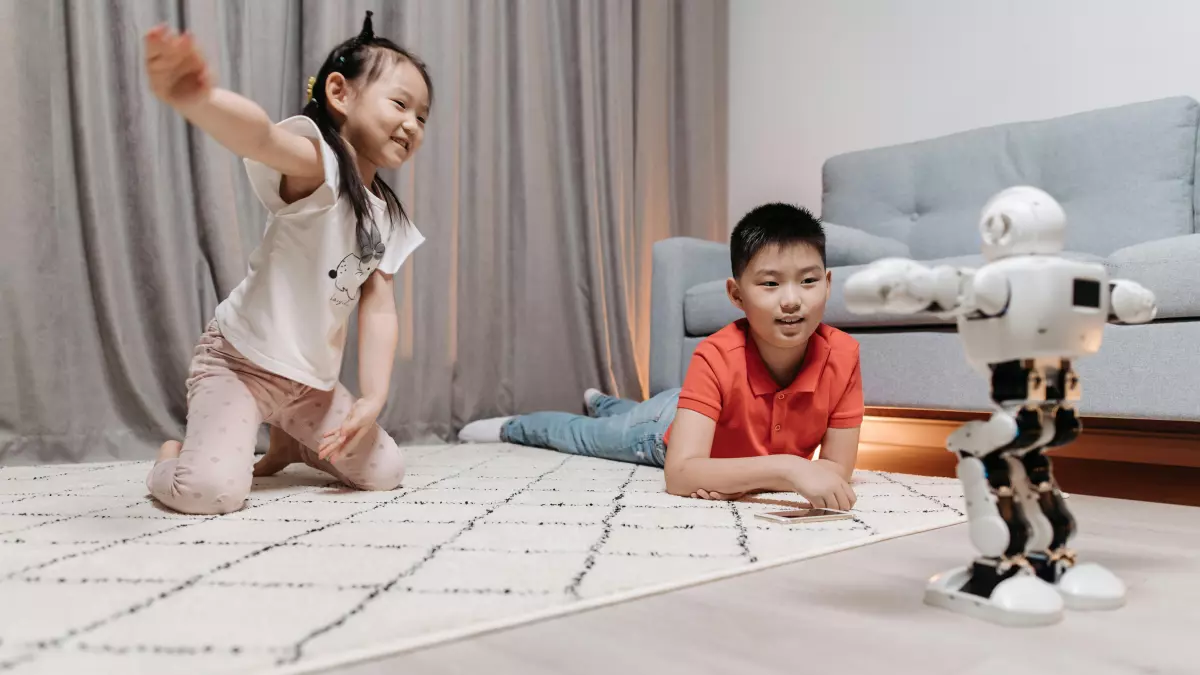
x=625, y=431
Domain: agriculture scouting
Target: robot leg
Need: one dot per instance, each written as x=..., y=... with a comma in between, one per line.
x=1034, y=383
x=1000, y=586
x=1009, y=433
x=1083, y=586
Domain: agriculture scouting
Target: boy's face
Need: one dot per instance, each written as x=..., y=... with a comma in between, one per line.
x=783, y=292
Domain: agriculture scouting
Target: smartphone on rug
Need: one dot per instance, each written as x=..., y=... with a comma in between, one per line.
x=805, y=516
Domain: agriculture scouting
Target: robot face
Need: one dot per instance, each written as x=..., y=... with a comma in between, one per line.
x=1022, y=220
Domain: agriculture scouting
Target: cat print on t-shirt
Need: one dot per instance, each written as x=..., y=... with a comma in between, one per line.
x=354, y=270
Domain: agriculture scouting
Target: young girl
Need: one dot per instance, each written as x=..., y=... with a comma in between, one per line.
x=335, y=235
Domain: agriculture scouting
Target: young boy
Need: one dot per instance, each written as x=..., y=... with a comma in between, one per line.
x=759, y=396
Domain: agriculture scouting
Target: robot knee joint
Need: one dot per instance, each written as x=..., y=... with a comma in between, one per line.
x=981, y=438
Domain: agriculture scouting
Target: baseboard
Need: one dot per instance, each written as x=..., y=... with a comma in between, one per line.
x=1167, y=448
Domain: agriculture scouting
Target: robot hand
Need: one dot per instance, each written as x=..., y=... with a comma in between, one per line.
x=902, y=286
x=1131, y=303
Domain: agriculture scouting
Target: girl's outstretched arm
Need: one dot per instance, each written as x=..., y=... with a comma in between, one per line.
x=180, y=77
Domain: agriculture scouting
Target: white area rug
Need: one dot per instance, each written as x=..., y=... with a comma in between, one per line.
x=96, y=578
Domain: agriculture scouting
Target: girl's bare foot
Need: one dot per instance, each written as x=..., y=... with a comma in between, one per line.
x=284, y=450
x=169, y=450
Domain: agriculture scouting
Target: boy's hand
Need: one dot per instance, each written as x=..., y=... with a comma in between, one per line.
x=358, y=421
x=822, y=487
x=178, y=73
x=705, y=494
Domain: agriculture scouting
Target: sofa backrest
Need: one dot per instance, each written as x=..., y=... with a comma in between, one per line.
x=1123, y=175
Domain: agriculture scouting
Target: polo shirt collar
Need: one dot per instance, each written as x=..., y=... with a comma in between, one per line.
x=815, y=357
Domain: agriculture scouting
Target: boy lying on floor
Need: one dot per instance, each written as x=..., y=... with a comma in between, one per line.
x=759, y=396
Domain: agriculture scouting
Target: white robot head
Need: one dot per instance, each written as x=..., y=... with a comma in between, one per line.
x=1022, y=220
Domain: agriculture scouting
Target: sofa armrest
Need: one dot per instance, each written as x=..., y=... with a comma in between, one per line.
x=1167, y=267
x=679, y=263
x=851, y=246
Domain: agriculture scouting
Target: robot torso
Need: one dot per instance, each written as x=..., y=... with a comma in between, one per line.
x=1057, y=308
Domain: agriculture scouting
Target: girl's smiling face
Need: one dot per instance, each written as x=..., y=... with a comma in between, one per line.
x=384, y=120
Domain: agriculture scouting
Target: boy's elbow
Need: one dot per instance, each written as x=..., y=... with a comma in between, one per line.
x=677, y=489
x=676, y=483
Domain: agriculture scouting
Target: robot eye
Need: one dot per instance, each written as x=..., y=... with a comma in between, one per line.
x=998, y=228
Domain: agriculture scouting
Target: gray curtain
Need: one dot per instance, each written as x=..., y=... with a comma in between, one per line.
x=566, y=138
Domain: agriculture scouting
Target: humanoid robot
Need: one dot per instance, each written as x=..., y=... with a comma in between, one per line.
x=1022, y=317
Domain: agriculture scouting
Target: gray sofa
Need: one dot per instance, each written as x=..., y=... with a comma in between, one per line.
x=1126, y=177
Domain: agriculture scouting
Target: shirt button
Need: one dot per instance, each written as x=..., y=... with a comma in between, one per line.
x=782, y=396
x=778, y=427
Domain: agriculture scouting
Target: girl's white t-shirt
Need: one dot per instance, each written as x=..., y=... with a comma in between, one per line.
x=290, y=314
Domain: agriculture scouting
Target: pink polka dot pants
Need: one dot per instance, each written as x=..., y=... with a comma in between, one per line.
x=228, y=399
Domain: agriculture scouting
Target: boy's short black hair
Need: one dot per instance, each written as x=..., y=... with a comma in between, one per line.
x=773, y=224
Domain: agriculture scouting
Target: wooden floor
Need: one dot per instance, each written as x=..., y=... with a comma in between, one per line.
x=861, y=611
x=1145, y=460
x=1101, y=478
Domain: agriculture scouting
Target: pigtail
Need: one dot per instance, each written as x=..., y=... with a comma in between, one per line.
x=368, y=29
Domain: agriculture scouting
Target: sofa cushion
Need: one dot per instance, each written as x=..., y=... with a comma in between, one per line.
x=707, y=309
x=838, y=316
x=1123, y=175
x=1170, y=268
x=852, y=246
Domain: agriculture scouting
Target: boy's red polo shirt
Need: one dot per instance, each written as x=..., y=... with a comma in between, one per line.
x=728, y=382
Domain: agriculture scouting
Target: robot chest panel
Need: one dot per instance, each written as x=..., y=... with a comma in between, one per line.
x=1056, y=308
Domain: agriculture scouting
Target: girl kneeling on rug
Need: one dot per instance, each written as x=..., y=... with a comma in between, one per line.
x=335, y=235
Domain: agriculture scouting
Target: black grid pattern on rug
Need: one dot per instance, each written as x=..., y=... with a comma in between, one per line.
x=95, y=575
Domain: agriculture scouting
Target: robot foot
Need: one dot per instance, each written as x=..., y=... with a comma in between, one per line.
x=1090, y=586
x=1083, y=586
x=1018, y=599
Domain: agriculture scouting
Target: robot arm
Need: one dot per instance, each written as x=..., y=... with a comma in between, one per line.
x=1130, y=302
x=902, y=286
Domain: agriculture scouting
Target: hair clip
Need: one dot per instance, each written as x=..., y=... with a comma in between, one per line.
x=311, y=81
x=342, y=59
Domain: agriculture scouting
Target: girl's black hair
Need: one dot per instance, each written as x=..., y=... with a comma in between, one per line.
x=362, y=56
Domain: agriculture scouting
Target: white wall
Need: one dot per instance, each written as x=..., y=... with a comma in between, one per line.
x=813, y=78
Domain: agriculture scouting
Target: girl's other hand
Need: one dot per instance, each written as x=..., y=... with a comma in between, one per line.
x=177, y=70
x=359, y=421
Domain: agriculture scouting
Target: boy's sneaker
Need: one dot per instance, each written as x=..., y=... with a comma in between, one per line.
x=483, y=431
x=590, y=397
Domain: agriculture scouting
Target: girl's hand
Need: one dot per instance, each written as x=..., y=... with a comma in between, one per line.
x=358, y=421
x=178, y=73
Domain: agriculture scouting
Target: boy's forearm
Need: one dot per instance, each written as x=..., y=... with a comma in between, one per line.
x=378, y=333
x=732, y=476
x=839, y=451
x=840, y=469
